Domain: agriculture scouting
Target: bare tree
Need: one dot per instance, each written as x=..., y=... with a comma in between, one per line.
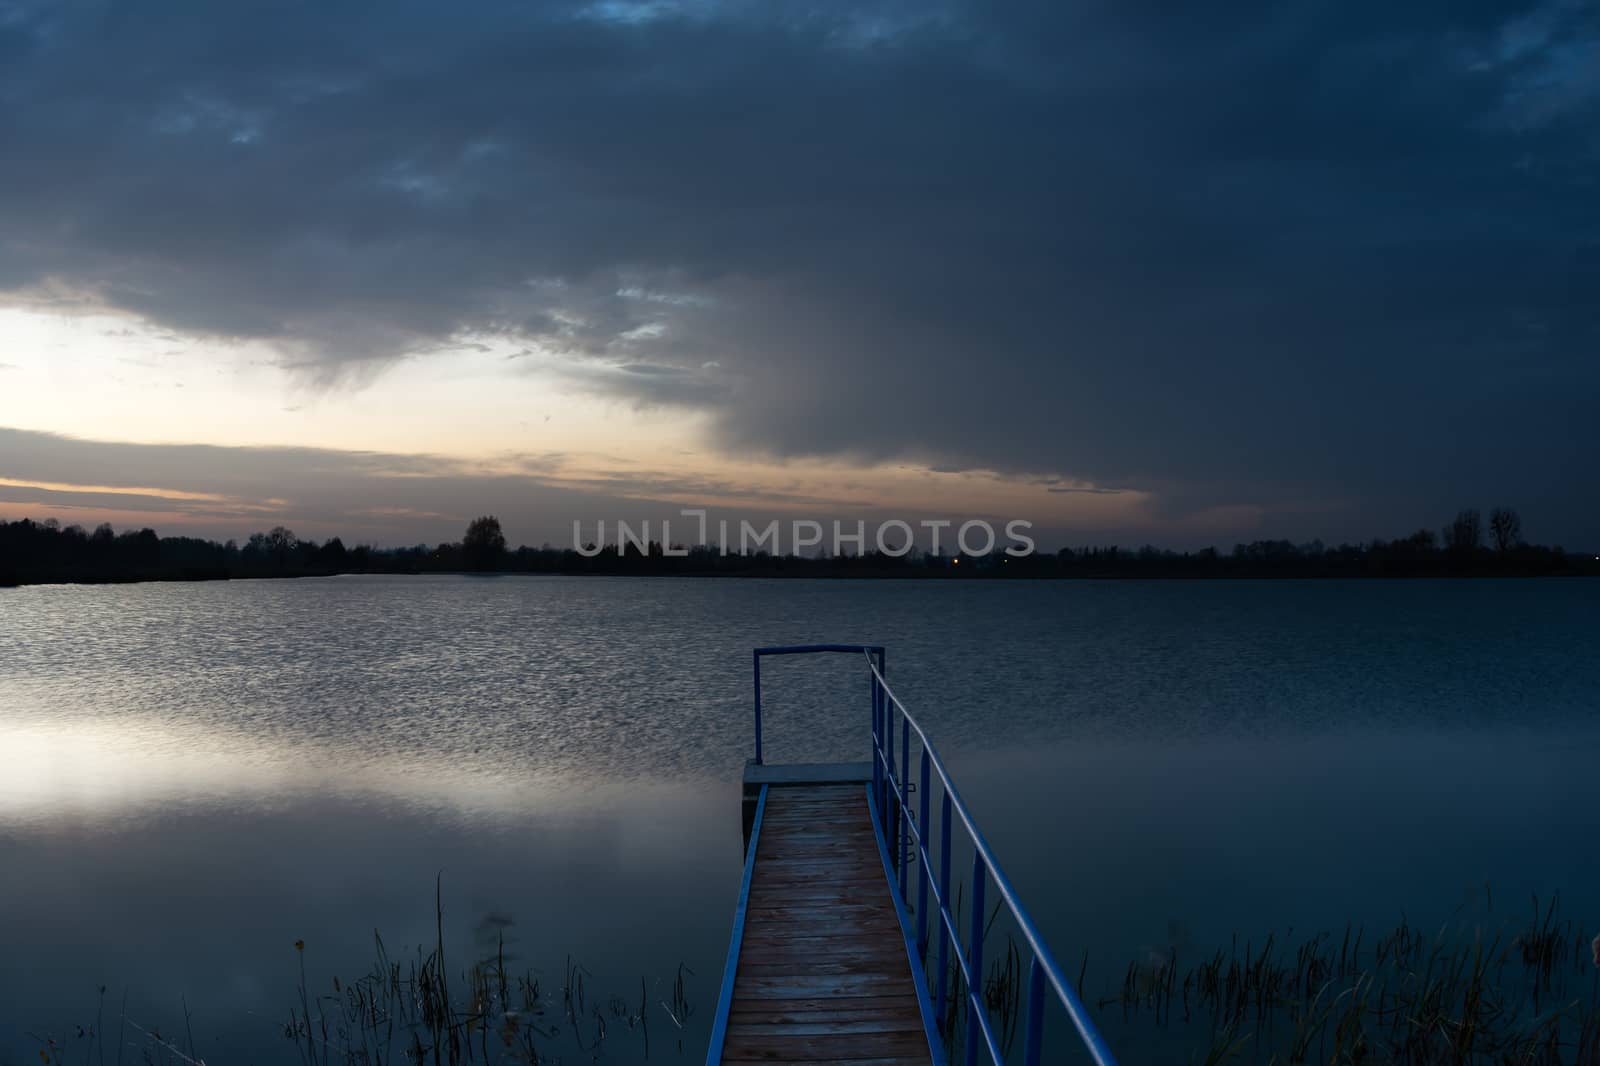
x=1506, y=528
x=281, y=542
x=1465, y=534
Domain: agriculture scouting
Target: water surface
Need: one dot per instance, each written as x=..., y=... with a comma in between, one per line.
x=196, y=776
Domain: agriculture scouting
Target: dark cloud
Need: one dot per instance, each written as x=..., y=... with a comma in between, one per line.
x=1319, y=254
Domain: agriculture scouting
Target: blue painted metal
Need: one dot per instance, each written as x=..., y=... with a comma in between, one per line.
x=922, y=866
x=877, y=739
x=870, y=650
x=905, y=808
x=719, y=1024
x=919, y=982
x=944, y=897
x=1033, y=1042
x=757, y=659
x=986, y=871
x=975, y=958
x=902, y=835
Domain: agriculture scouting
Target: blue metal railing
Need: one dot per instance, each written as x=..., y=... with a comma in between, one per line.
x=869, y=650
x=719, y=1020
x=901, y=828
x=904, y=833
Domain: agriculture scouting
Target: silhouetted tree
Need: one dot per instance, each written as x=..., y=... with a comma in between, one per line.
x=332, y=554
x=280, y=543
x=45, y=551
x=1465, y=534
x=1506, y=528
x=484, y=544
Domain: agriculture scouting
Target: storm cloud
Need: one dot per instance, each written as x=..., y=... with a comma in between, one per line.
x=1318, y=254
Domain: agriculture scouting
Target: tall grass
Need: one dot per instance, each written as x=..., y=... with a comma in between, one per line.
x=1527, y=992
x=418, y=1011
x=407, y=1009
x=1523, y=991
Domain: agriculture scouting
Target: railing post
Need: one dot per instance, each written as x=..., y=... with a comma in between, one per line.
x=903, y=822
x=877, y=736
x=975, y=959
x=898, y=821
x=944, y=906
x=881, y=754
x=757, y=658
x=883, y=768
x=891, y=788
x=1034, y=1038
x=922, y=862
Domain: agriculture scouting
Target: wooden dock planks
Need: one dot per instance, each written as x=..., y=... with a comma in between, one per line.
x=822, y=974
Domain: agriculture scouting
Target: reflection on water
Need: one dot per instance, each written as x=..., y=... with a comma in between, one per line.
x=198, y=897
x=125, y=771
x=196, y=776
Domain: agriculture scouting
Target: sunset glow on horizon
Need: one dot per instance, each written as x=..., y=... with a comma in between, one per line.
x=292, y=283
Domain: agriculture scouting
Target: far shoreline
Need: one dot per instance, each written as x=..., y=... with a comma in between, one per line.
x=799, y=574
x=46, y=553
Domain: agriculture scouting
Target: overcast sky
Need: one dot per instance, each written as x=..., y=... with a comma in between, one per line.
x=1181, y=273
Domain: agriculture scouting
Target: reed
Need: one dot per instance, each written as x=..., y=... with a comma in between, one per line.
x=495, y=1015
x=1527, y=992
x=416, y=1011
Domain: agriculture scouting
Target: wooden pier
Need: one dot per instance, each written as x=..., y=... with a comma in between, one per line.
x=825, y=964
x=823, y=972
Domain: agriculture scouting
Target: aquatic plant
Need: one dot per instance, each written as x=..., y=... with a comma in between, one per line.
x=418, y=1011
x=1528, y=992
x=496, y=1016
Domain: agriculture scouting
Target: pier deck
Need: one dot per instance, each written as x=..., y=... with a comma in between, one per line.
x=846, y=903
x=823, y=973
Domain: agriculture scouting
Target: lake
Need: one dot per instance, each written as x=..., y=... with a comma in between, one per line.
x=194, y=777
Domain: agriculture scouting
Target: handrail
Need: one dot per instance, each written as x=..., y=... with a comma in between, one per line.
x=1043, y=966
x=902, y=833
x=730, y=969
x=805, y=649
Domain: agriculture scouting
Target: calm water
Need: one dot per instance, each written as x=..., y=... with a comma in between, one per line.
x=193, y=777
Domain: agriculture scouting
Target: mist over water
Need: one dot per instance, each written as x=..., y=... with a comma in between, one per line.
x=193, y=777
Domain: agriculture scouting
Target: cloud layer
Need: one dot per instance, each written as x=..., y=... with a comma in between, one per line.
x=1307, y=255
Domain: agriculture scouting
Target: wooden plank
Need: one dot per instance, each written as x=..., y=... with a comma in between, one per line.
x=906, y=1061
x=840, y=800
x=844, y=1046
x=785, y=936
x=800, y=879
x=826, y=1025
x=791, y=986
x=819, y=846
x=804, y=870
x=832, y=810
x=823, y=974
x=817, y=835
x=780, y=872
x=804, y=1010
x=759, y=967
x=784, y=952
x=784, y=863
x=848, y=895
x=799, y=934
x=807, y=915
x=808, y=911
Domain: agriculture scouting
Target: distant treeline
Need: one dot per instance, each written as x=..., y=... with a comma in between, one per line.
x=47, y=552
